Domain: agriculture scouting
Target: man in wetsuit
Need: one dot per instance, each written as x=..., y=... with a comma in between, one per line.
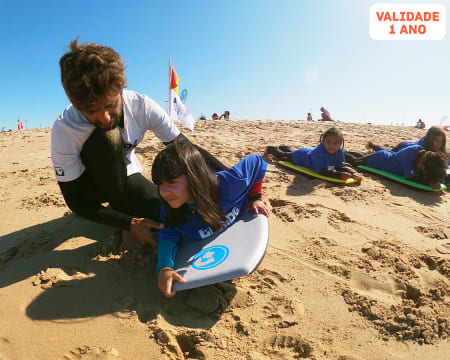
x=93, y=143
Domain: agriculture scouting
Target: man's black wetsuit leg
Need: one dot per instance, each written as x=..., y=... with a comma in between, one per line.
x=104, y=158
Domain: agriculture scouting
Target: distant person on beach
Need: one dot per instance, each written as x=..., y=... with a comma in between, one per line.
x=434, y=140
x=19, y=125
x=197, y=202
x=93, y=144
x=413, y=163
x=420, y=124
x=327, y=158
x=225, y=115
x=325, y=114
x=309, y=117
x=215, y=116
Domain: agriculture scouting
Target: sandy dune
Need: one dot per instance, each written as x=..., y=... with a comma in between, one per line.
x=351, y=272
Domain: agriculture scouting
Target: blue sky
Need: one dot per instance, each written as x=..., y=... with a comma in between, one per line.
x=258, y=59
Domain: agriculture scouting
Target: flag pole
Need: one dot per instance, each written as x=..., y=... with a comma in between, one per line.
x=170, y=77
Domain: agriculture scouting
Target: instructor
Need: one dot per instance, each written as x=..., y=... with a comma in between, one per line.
x=94, y=139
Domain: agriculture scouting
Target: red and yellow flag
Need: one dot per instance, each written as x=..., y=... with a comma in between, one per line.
x=173, y=79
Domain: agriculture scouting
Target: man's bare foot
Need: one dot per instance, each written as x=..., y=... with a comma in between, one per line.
x=368, y=144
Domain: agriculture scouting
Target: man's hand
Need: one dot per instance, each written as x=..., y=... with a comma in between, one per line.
x=258, y=207
x=140, y=231
x=166, y=278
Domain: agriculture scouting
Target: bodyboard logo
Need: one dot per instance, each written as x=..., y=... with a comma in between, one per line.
x=210, y=257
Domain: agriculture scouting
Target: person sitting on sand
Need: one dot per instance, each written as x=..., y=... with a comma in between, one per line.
x=434, y=140
x=325, y=114
x=215, y=116
x=93, y=144
x=197, y=202
x=413, y=163
x=225, y=115
x=420, y=124
x=309, y=117
x=327, y=158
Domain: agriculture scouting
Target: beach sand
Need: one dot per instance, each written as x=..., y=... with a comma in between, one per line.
x=351, y=272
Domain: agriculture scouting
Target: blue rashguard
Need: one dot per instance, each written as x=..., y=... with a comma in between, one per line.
x=421, y=142
x=234, y=186
x=406, y=144
x=318, y=158
x=402, y=162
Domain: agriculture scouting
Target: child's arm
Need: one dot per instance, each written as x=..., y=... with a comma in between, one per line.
x=258, y=206
x=255, y=200
x=334, y=174
x=339, y=174
x=167, y=250
x=166, y=278
x=353, y=174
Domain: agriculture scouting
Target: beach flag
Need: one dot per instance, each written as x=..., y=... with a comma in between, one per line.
x=177, y=110
x=173, y=79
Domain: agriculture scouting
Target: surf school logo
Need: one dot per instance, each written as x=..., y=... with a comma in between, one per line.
x=210, y=257
x=59, y=171
x=230, y=217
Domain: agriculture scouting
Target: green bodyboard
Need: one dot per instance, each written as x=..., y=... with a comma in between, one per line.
x=304, y=170
x=400, y=179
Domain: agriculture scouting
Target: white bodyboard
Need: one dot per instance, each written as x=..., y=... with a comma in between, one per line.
x=233, y=253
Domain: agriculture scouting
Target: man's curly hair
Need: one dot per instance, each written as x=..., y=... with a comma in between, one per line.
x=89, y=72
x=435, y=164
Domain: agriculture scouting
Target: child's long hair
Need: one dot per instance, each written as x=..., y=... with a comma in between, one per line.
x=431, y=134
x=435, y=164
x=333, y=132
x=183, y=158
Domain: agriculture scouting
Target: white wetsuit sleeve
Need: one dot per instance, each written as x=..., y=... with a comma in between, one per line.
x=159, y=121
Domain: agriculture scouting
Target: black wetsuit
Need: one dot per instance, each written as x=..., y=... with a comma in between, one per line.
x=105, y=180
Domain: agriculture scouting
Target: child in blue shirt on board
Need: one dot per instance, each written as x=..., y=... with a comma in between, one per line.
x=413, y=163
x=434, y=140
x=327, y=158
x=198, y=203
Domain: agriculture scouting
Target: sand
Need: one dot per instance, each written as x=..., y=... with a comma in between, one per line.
x=351, y=272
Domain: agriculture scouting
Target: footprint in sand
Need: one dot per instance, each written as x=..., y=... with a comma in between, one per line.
x=180, y=344
x=444, y=248
x=8, y=255
x=32, y=243
x=267, y=280
x=289, y=211
x=433, y=232
x=288, y=347
x=285, y=312
x=92, y=353
x=336, y=216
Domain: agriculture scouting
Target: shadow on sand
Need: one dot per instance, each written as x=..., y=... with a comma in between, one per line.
x=93, y=281
x=424, y=197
